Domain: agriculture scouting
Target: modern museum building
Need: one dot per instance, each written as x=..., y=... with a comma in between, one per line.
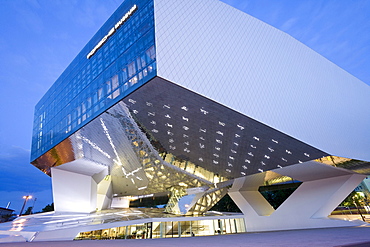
x=186, y=102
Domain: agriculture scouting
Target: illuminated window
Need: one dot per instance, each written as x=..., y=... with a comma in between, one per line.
x=100, y=94
x=108, y=87
x=124, y=74
x=89, y=103
x=133, y=80
x=131, y=69
x=115, y=82
x=125, y=86
x=151, y=52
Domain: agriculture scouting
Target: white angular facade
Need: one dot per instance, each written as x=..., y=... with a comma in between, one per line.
x=245, y=64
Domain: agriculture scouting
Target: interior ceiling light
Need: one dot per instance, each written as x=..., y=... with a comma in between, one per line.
x=184, y=108
x=204, y=111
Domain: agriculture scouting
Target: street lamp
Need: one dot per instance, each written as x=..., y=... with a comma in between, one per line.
x=24, y=203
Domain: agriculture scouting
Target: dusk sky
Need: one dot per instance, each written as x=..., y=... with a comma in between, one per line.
x=39, y=38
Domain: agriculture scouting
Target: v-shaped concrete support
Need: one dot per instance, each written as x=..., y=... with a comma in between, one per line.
x=324, y=187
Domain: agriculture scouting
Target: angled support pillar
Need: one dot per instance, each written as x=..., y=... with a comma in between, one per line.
x=323, y=189
x=75, y=186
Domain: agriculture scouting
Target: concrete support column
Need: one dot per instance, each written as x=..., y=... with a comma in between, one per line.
x=75, y=186
x=323, y=189
x=77, y=195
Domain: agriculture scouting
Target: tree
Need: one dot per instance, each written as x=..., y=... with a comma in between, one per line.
x=226, y=204
x=48, y=208
x=352, y=200
x=28, y=211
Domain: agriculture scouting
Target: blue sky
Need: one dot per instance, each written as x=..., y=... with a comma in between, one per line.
x=39, y=38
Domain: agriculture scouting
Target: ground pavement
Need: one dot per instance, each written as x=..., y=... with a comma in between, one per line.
x=344, y=236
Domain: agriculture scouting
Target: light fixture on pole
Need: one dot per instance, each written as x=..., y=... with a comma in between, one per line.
x=24, y=203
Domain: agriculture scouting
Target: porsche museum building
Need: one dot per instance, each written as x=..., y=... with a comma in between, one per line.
x=190, y=101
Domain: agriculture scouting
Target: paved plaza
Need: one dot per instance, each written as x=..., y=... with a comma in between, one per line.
x=344, y=236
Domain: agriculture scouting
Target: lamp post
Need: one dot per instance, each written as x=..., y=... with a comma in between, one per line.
x=24, y=203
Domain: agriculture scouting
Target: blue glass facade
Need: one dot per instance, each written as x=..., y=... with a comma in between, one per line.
x=89, y=86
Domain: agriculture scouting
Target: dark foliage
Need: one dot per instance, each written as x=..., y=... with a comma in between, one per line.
x=226, y=204
x=48, y=208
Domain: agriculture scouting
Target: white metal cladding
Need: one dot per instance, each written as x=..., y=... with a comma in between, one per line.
x=249, y=66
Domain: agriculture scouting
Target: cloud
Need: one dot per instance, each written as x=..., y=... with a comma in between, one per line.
x=17, y=174
x=288, y=24
x=18, y=178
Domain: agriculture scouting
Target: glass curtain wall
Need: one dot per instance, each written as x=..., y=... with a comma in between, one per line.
x=169, y=229
x=89, y=86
